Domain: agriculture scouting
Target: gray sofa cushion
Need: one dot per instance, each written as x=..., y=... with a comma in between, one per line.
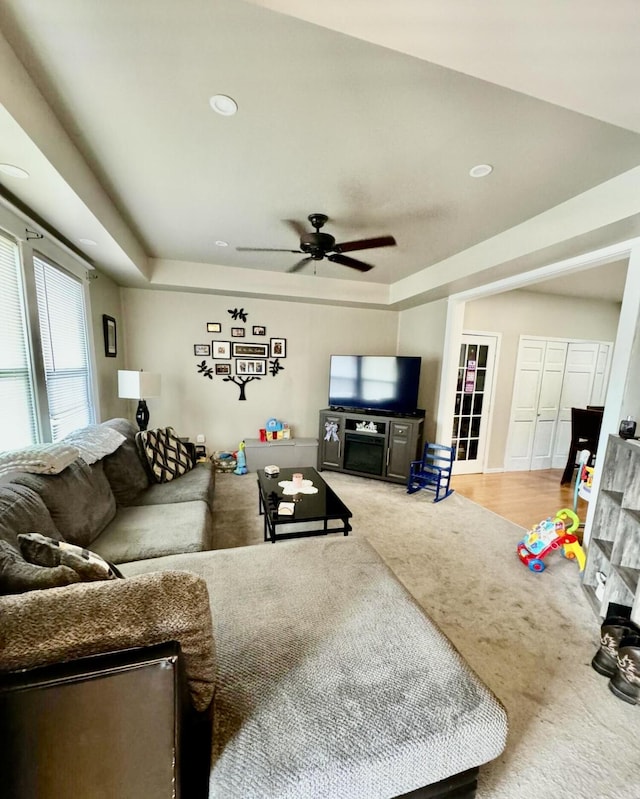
x=23, y=511
x=155, y=530
x=197, y=484
x=16, y=575
x=124, y=470
x=79, y=500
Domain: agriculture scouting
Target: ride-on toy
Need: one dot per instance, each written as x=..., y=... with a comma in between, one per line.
x=549, y=535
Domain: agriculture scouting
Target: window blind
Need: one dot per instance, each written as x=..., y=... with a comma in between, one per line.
x=63, y=332
x=18, y=426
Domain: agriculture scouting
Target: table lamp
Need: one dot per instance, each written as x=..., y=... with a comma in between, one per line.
x=139, y=385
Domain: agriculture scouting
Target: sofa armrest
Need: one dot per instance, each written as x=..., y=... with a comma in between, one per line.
x=59, y=624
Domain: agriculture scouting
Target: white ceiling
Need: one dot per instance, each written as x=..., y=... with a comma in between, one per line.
x=370, y=112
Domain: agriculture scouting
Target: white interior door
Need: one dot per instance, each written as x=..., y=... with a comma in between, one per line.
x=472, y=414
x=577, y=388
x=547, y=413
x=534, y=409
x=601, y=379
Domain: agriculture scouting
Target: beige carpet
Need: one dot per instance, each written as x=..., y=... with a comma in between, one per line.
x=529, y=636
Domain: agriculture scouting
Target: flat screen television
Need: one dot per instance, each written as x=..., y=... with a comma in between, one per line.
x=374, y=383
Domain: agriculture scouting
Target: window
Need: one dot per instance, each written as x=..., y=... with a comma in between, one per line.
x=17, y=407
x=46, y=387
x=63, y=335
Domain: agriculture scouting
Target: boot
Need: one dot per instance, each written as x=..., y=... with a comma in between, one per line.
x=625, y=683
x=614, y=628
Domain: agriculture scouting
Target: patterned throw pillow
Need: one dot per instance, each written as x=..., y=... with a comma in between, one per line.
x=17, y=576
x=44, y=551
x=166, y=455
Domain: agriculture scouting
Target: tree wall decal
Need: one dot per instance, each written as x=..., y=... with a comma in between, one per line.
x=241, y=382
x=255, y=357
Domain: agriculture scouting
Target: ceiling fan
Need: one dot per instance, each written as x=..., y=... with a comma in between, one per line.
x=317, y=246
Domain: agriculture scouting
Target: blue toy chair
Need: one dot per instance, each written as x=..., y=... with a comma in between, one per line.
x=433, y=471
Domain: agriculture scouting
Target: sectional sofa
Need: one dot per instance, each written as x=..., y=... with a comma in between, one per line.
x=297, y=671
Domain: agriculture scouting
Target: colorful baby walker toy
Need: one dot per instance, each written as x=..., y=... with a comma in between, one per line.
x=549, y=535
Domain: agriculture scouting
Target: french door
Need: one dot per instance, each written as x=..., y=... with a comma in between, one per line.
x=471, y=418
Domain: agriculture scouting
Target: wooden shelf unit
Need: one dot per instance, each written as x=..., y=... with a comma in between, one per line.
x=614, y=548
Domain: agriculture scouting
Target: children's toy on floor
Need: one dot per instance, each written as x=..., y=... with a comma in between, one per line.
x=241, y=460
x=549, y=535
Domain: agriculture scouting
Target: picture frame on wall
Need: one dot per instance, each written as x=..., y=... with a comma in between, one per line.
x=202, y=349
x=237, y=332
x=259, y=330
x=278, y=347
x=221, y=349
x=214, y=327
x=241, y=350
x=246, y=366
x=223, y=368
x=110, y=334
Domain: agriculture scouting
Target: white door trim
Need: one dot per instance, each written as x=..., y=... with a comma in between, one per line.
x=490, y=397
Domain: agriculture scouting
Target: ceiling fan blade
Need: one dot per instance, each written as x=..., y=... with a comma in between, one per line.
x=297, y=267
x=298, y=228
x=346, y=261
x=262, y=249
x=365, y=244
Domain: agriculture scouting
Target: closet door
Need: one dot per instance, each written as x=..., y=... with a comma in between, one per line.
x=535, y=406
x=601, y=379
x=577, y=389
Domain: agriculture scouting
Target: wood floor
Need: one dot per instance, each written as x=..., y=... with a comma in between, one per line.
x=522, y=497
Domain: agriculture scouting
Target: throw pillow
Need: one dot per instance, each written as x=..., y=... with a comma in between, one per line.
x=17, y=576
x=166, y=455
x=44, y=551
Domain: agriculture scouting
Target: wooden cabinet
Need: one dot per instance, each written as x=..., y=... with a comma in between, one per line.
x=402, y=450
x=331, y=441
x=371, y=445
x=613, y=562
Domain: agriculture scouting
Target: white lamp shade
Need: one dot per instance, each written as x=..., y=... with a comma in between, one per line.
x=138, y=385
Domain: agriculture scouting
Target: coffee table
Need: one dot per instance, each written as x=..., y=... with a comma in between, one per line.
x=310, y=511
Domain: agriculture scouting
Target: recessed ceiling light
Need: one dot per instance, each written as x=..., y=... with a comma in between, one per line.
x=480, y=170
x=14, y=171
x=88, y=242
x=223, y=104
x=221, y=243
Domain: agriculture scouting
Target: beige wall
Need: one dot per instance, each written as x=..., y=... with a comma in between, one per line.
x=161, y=328
x=421, y=332
x=157, y=331
x=517, y=313
x=105, y=299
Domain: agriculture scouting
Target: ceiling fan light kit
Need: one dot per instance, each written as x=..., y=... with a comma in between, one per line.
x=316, y=246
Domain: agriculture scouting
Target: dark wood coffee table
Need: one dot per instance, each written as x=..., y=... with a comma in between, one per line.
x=325, y=507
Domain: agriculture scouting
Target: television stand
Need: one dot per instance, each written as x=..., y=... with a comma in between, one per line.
x=370, y=444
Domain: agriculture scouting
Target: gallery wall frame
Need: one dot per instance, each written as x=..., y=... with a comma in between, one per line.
x=221, y=349
x=242, y=350
x=237, y=332
x=278, y=347
x=202, y=349
x=214, y=327
x=246, y=366
x=110, y=333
